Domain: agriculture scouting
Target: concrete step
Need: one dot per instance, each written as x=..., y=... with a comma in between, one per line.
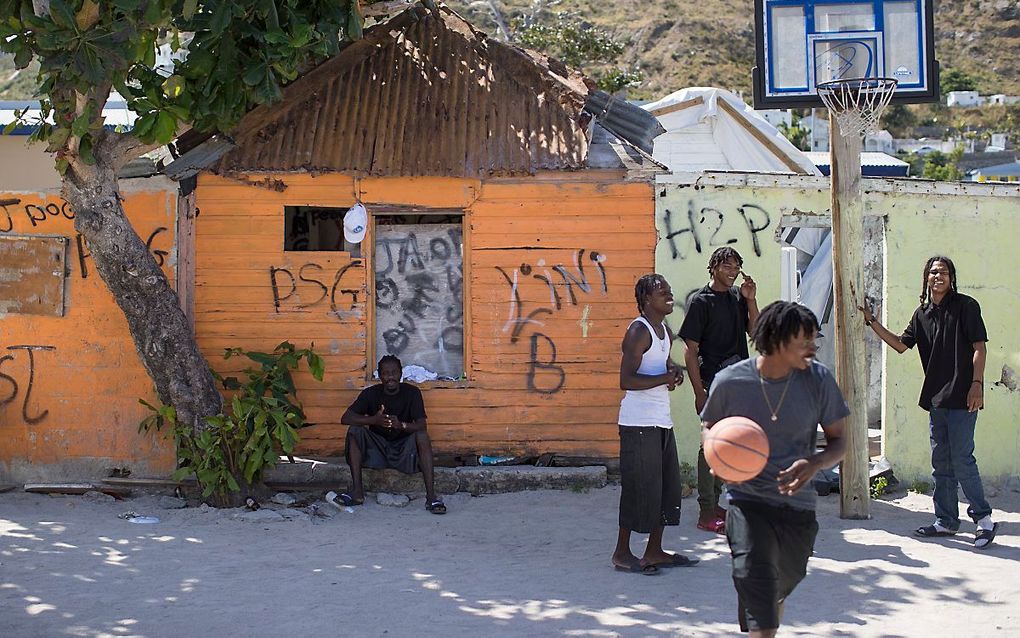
x=306, y=473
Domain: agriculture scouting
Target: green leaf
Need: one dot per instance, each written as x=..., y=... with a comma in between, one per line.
x=165, y=128
x=62, y=14
x=85, y=150
x=316, y=365
x=355, y=21
x=190, y=6
x=80, y=125
x=256, y=74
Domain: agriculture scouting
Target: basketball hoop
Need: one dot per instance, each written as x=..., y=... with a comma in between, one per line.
x=857, y=103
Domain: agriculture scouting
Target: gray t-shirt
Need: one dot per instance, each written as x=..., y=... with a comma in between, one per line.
x=812, y=398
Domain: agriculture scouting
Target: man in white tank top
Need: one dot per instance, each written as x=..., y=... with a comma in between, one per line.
x=649, y=469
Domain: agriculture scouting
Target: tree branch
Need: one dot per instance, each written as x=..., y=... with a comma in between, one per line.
x=117, y=149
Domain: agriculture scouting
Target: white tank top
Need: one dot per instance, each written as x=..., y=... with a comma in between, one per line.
x=644, y=408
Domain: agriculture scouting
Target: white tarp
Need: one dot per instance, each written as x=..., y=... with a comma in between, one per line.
x=732, y=138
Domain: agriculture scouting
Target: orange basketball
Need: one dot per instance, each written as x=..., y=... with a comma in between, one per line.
x=736, y=449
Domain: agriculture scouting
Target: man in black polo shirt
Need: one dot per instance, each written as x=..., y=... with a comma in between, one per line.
x=388, y=430
x=719, y=318
x=950, y=336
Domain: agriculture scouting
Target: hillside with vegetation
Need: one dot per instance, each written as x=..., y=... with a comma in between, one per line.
x=674, y=44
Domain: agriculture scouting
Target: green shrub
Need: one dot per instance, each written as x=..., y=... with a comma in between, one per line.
x=263, y=420
x=879, y=486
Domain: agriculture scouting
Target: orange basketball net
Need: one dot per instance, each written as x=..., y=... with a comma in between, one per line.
x=857, y=103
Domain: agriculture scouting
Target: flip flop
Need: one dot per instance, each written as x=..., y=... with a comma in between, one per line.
x=930, y=531
x=678, y=560
x=345, y=499
x=984, y=537
x=638, y=568
x=436, y=507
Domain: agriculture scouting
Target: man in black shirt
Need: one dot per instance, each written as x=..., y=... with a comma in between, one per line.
x=387, y=430
x=950, y=336
x=719, y=318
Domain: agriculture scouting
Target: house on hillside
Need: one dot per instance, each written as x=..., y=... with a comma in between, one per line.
x=1001, y=99
x=509, y=213
x=964, y=98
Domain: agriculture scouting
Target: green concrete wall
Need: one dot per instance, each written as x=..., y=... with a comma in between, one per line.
x=975, y=225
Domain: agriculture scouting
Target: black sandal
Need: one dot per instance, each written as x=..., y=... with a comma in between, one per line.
x=984, y=537
x=930, y=531
x=638, y=568
x=678, y=560
x=436, y=507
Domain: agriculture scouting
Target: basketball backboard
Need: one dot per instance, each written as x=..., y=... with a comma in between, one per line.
x=801, y=43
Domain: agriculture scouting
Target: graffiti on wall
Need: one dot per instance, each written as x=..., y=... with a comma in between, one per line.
x=38, y=216
x=21, y=364
x=419, y=295
x=700, y=230
x=310, y=285
x=565, y=286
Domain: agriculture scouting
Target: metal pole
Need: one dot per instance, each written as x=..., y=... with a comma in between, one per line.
x=848, y=291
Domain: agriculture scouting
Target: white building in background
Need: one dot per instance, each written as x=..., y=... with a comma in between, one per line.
x=964, y=98
x=997, y=143
x=880, y=142
x=775, y=117
x=818, y=130
x=1002, y=99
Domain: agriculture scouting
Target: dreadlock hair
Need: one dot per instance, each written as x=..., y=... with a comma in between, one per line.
x=779, y=322
x=925, y=292
x=723, y=255
x=645, y=285
x=390, y=359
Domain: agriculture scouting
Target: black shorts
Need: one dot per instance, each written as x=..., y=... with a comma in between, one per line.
x=649, y=478
x=381, y=452
x=770, y=547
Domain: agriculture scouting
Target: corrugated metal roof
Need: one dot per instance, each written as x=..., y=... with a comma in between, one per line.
x=422, y=94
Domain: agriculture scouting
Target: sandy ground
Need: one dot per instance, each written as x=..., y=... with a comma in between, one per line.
x=533, y=564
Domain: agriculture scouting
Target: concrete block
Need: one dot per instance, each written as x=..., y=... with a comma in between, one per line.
x=517, y=478
x=392, y=500
x=171, y=502
x=395, y=482
x=309, y=472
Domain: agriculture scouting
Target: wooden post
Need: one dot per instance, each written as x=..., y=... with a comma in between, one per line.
x=848, y=291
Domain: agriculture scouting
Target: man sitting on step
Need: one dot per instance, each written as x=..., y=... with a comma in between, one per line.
x=387, y=430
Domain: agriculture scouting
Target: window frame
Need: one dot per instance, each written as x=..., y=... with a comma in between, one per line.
x=368, y=254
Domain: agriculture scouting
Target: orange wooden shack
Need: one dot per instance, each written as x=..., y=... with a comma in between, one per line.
x=505, y=230
x=509, y=212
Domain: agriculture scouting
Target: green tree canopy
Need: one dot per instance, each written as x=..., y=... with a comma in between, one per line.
x=956, y=80
x=239, y=55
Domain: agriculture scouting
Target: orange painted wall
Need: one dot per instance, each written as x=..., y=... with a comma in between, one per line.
x=512, y=402
x=79, y=394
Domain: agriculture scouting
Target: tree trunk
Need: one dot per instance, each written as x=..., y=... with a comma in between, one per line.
x=158, y=326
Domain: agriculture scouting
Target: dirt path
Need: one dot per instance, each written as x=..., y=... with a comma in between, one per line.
x=533, y=564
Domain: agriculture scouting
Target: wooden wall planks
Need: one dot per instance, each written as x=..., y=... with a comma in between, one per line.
x=548, y=383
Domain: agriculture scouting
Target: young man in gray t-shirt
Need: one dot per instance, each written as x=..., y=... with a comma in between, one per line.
x=770, y=523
